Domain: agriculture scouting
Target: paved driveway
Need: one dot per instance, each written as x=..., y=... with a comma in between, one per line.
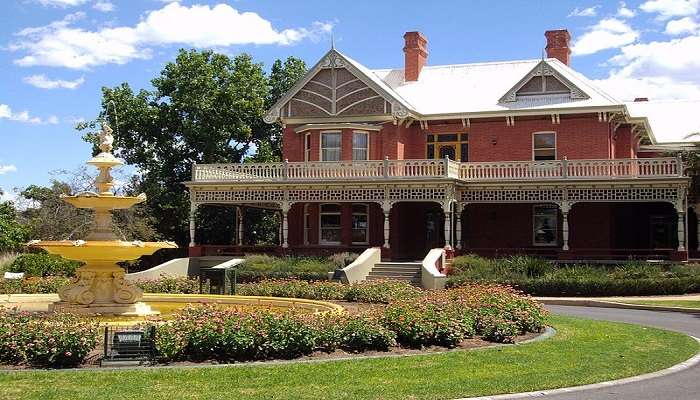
x=684, y=385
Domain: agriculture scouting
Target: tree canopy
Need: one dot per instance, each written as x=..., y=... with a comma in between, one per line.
x=203, y=108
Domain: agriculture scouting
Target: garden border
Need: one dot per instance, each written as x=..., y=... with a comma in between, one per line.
x=604, y=303
x=548, y=333
x=682, y=366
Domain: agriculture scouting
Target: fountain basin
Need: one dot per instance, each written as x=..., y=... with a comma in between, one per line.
x=167, y=304
x=103, y=202
x=102, y=252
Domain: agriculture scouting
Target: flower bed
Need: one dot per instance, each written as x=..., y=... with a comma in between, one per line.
x=45, y=340
x=411, y=318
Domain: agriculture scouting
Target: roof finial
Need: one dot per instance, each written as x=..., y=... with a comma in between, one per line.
x=332, y=41
x=542, y=54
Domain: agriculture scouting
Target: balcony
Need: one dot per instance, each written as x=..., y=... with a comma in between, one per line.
x=634, y=168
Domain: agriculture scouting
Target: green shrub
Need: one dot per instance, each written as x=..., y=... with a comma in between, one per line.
x=33, y=285
x=380, y=291
x=43, y=264
x=259, y=267
x=544, y=278
x=172, y=285
x=342, y=260
x=45, y=340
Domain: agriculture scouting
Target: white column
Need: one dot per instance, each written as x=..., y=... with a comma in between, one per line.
x=448, y=225
x=239, y=225
x=193, y=216
x=681, y=229
x=285, y=225
x=458, y=228
x=565, y=207
x=386, y=208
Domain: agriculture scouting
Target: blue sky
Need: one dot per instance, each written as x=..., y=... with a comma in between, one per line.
x=55, y=55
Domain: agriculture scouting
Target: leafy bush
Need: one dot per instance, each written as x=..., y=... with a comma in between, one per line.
x=45, y=340
x=544, y=278
x=180, y=285
x=43, y=264
x=258, y=267
x=342, y=260
x=379, y=291
x=32, y=285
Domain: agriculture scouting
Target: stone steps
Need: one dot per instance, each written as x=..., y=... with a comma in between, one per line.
x=408, y=272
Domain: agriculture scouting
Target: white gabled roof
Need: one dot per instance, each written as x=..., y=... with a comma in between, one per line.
x=478, y=87
x=668, y=122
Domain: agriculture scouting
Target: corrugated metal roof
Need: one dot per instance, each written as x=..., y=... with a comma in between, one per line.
x=670, y=121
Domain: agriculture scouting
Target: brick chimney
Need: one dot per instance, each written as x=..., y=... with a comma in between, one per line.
x=558, y=45
x=416, y=54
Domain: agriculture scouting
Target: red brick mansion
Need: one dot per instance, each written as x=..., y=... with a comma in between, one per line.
x=489, y=158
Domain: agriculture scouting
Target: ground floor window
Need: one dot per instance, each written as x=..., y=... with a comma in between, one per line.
x=330, y=224
x=360, y=223
x=544, y=225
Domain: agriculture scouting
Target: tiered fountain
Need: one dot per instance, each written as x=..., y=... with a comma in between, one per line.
x=99, y=286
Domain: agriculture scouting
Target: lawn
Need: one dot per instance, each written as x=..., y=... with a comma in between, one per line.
x=665, y=303
x=582, y=352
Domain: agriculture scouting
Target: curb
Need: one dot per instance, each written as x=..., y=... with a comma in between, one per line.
x=689, y=363
x=614, y=304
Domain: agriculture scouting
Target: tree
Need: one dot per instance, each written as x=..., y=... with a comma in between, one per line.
x=205, y=108
x=13, y=235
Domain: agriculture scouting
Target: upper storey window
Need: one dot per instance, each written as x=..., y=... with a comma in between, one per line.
x=330, y=146
x=454, y=146
x=544, y=146
x=307, y=147
x=360, y=146
x=543, y=85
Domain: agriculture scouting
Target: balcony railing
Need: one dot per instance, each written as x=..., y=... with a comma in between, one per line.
x=634, y=168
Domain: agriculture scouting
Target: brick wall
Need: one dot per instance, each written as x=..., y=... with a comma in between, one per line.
x=578, y=137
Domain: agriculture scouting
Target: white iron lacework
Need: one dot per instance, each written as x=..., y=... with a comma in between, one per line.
x=512, y=195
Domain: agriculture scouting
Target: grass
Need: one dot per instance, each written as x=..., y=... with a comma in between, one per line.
x=582, y=352
x=666, y=303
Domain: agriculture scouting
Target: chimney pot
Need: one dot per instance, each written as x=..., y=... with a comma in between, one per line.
x=638, y=99
x=558, y=45
x=415, y=55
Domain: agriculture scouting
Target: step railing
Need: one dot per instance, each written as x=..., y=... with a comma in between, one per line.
x=633, y=168
x=431, y=267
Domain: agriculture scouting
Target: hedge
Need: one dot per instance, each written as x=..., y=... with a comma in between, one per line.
x=544, y=278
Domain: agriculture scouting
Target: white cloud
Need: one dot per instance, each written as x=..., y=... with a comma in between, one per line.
x=7, y=168
x=585, y=12
x=63, y=45
x=625, y=12
x=23, y=116
x=681, y=26
x=676, y=57
x=668, y=9
x=608, y=33
x=655, y=88
x=43, y=82
x=61, y=3
x=103, y=6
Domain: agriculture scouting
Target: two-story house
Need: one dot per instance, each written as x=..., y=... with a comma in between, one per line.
x=491, y=158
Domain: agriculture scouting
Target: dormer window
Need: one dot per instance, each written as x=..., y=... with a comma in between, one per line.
x=540, y=85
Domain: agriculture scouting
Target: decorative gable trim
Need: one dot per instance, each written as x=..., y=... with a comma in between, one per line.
x=543, y=69
x=334, y=60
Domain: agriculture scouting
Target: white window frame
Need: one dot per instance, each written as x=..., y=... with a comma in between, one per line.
x=366, y=214
x=320, y=146
x=320, y=223
x=366, y=149
x=535, y=214
x=545, y=148
x=307, y=147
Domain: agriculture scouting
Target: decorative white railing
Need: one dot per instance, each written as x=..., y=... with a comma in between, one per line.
x=632, y=168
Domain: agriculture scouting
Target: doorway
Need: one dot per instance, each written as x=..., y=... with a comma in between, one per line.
x=417, y=228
